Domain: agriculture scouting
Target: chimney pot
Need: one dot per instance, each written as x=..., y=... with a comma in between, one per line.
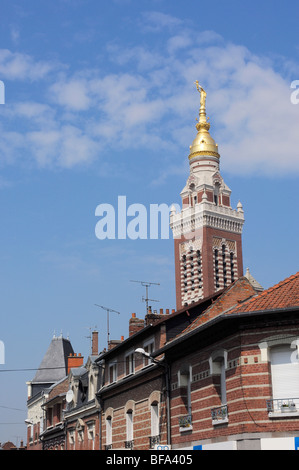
x=167, y=311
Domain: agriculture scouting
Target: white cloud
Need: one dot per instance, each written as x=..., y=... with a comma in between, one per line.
x=65, y=147
x=152, y=102
x=153, y=21
x=17, y=66
x=72, y=94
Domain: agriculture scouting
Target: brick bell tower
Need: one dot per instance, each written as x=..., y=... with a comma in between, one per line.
x=207, y=231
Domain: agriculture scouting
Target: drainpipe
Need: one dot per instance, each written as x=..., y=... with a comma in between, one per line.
x=166, y=368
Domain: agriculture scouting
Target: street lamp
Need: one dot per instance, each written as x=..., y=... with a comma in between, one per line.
x=167, y=380
x=143, y=353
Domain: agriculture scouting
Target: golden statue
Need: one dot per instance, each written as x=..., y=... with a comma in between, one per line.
x=203, y=94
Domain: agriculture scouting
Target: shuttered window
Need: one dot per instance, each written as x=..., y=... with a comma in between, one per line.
x=285, y=372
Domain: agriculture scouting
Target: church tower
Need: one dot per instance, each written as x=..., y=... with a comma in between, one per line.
x=207, y=231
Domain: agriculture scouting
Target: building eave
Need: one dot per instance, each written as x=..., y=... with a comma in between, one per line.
x=224, y=317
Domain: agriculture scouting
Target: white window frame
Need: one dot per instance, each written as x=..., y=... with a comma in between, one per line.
x=149, y=348
x=113, y=366
x=130, y=356
x=155, y=419
x=129, y=425
x=185, y=380
x=109, y=430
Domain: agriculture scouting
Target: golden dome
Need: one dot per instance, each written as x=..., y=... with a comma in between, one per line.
x=203, y=144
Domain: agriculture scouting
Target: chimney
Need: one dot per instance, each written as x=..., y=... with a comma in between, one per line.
x=113, y=342
x=135, y=324
x=152, y=316
x=74, y=361
x=94, y=343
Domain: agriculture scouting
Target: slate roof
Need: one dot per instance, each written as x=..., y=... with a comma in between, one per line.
x=54, y=364
x=283, y=295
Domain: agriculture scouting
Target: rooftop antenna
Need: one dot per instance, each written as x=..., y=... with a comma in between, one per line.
x=108, y=310
x=90, y=335
x=147, y=285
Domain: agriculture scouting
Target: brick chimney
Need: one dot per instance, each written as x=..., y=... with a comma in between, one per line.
x=114, y=342
x=135, y=324
x=94, y=343
x=153, y=317
x=74, y=361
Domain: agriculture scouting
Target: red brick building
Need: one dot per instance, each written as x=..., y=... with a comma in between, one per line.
x=82, y=412
x=223, y=374
x=235, y=371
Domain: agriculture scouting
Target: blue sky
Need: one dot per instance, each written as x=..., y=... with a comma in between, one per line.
x=100, y=102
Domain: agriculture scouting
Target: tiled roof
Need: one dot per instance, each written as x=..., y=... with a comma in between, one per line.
x=242, y=297
x=240, y=290
x=285, y=294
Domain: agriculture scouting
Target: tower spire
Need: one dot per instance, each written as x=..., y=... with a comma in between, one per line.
x=207, y=232
x=203, y=145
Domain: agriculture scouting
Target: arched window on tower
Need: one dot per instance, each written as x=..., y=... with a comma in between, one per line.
x=216, y=194
x=216, y=262
x=198, y=253
x=224, y=266
x=232, y=267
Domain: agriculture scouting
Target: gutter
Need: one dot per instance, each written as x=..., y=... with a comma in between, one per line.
x=223, y=316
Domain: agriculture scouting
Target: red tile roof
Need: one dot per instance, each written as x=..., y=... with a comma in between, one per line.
x=239, y=291
x=241, y=297
x=285, y=294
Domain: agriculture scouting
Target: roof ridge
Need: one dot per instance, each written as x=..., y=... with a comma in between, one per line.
x=279, y=284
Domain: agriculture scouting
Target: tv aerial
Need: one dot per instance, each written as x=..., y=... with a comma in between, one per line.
x=147, y=285
x=108, y=310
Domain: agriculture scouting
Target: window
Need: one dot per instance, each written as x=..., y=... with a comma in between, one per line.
x=284, y=372
x=129, y=425
x=185, y=376
x=91, y=432
x=216, y=269
x=112, y=372
x=130, y=363
x=232, y=267
x=154, y=419
x=184, y=379
x=218, y=365
x=58, y=412
x=149, y=349
x=108, y=431
x=224, y=266
x=72, y=436
x=50, y=416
